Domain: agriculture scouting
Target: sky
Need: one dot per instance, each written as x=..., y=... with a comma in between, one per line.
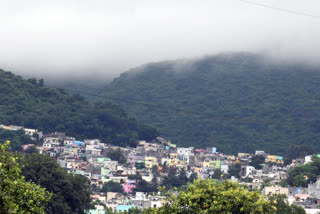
x=103, y=38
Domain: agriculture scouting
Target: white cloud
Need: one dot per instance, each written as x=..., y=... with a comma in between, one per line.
x=59, y=37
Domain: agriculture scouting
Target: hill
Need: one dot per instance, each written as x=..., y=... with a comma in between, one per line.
x=236, y=102
x=31, y=104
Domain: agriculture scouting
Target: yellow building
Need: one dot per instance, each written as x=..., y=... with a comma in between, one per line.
x=182, y=164
x=206, y=163
x=150, y=162
x=231, y=157
x=173, y=155
x=274, y=159
x=173, y=161
x=243, y=155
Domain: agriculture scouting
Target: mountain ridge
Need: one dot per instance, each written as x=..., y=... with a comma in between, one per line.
x=242, y=85
x=31, y=104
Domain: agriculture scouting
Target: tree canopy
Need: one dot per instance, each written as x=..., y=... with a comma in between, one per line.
x=70, y=193
x=280, y=201
x=222, y=99
x=208, y=196
x=16, y=138
x=31, y=104
x=304, y=174
x=112, y=186
x=16, y=194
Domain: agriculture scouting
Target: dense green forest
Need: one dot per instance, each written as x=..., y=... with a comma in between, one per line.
x=236, y=102
x=31, y=104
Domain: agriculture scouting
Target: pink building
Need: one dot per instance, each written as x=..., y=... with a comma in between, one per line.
x=128, y=188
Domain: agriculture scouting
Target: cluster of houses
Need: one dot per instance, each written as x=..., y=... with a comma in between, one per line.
x=89, y=158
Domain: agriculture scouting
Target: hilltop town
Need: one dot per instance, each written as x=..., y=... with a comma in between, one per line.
x=124, y=177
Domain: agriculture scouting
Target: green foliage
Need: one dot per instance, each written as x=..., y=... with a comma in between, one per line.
x=298, y=151
x=235, y=170
x=112, y=186
x=144, y=186
x=31, y=104
x=140, y=165
x=137, y=176
x=214, y=90
x=207, y=196
x=16, y=138
x=176, y=178
x=281, y=203
x=296, y=175
x=266, y=183
x=70, y=193
x=283, y=183
x=31, y=150
x=17, y=195
x=98, y=202
x=256, y=161
x=116, y=155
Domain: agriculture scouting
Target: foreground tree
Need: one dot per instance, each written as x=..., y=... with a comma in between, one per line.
x=281, y=203
x=208, y=196
x=71, y=193
x=17, y=195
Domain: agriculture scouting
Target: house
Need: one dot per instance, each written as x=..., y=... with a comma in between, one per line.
x=274, y=159
x=143, y=201
x=78, y=143
x=128, y=188
x=92, y=141
x=186, y=154
x=66, y=163
x=93, y=150
x=275, y=190
x=111, y=165
x=30, y=132
x=260, y=152
x=307, y=159
x=224, y=168
x=123, y=208
x=68, y=140
x=150, y=162
x=246, y=171
x=314, y=189
x=134, y=157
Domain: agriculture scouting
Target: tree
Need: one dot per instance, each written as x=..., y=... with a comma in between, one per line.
x=31, y=150
x=140, y=165
x=300, y=181
x=16, y=138
x=257, y=160
x=235, y=170
x=70, y=193
x=116, y=155
x=17, y=195
x=144, y=186
x=298, y=151
x=280, y=201
x=112, y=186
x=208, y=196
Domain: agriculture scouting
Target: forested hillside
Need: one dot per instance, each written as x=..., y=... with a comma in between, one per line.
x=31, y=104
x=238, y=102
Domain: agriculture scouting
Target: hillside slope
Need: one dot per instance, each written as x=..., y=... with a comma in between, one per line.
x=31, y=104
x=220, y=88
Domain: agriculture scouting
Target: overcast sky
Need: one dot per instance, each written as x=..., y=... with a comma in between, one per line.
x=110, y=36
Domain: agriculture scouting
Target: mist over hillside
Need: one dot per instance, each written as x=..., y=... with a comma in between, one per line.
x=236, y=102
